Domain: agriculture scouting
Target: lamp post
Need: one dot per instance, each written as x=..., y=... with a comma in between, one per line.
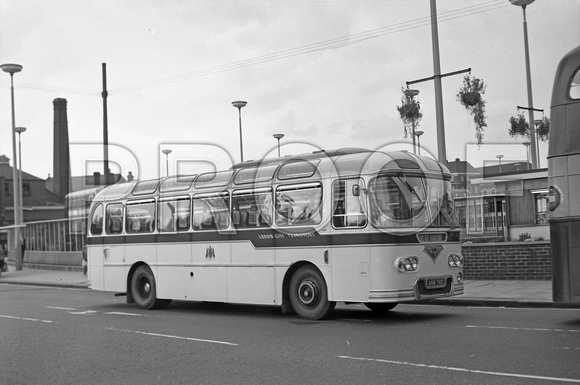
x=527, y=145
x=20, y=130
x=499, y=157
x=166, y=152
x=418, y=135
x=278, y=136
x=239, y=104
x=524, y=4
x=12, y=69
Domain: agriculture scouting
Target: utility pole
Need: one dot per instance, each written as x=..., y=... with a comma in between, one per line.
x=105, y=128
x=441, y=150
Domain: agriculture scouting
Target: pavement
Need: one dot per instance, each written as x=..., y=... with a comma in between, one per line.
x=496, y=293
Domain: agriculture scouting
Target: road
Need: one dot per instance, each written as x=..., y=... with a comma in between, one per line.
x=74, y=336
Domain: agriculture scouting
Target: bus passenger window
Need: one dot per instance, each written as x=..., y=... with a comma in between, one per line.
x=140, y=218
x=173, y=215
x=97, y=221
x=299, y=204
x=211, y=213
x=114, y=218
x=349, y=204
x=252, y=209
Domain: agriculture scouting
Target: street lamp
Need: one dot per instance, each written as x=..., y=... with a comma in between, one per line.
x=411, y=94
x=278, y=136
x=524, y=4
x=527, y=144
x=20, y=130
x=12, y=69
x=499, y=157
x=166, y=152
x=239, y=104
x=418, y=134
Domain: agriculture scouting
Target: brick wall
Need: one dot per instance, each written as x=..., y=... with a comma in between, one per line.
x=508, y=260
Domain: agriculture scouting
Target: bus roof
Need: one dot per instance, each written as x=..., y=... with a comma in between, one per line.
x=344, y=162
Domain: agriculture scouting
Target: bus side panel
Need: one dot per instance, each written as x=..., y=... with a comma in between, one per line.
x=251, y=276
x=208, y=275
x=251, y=285
x=351, y=273
x=114, y=268
x=173, y=272
x=207, y=283
x=95, y=260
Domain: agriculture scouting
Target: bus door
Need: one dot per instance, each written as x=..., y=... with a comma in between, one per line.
x=210, y=248
x=350, y=251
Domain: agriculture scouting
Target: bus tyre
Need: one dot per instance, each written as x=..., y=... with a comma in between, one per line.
x=381, y=308
x=144, y=290
x=309, y=295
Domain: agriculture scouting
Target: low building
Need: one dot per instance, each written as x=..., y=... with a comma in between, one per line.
x=501, y=204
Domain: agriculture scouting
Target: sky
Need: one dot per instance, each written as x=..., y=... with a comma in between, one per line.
x=325, y=73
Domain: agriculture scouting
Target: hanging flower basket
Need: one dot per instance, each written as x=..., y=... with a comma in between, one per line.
x=410, y=111
x=470, y=96
x=543, y=129
x=519, y=126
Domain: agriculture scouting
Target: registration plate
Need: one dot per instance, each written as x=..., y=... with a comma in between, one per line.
x=435, y=283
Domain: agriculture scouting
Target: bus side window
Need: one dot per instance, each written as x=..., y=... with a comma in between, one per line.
x=299, y=204
x=182, y=214
x=349, y=204
x=114, y=218
x=173, y=215
x=211, y=213
x=97, y=220
x=252, y=209
x=140, y=217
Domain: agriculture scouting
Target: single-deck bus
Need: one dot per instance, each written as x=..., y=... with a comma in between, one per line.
x=301, y=232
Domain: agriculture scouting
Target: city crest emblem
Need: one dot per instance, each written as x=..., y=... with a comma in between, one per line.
x=433, y=251
x=209, y=253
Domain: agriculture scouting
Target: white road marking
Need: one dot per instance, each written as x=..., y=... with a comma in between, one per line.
x=172, y=336
x=60, y=308
x=122, y=313
x=83, y=312
x=558, y=379
x=26, y=319
x=525, y=329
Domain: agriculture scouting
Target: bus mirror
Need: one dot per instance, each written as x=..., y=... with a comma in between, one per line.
x=356, y=190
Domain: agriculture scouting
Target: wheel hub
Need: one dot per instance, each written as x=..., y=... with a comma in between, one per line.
x=308, y=292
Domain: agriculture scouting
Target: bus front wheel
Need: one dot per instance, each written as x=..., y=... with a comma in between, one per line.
x=309, y=295
x=144, y=290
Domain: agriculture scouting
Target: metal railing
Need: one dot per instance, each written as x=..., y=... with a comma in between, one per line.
x=54, y=235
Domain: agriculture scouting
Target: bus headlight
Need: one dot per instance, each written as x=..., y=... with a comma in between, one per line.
x=455, y=260
x=407, y=264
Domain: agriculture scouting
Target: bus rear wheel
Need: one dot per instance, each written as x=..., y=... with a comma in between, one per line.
x=144, y=290
x=380, y=307
x=309, y=295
